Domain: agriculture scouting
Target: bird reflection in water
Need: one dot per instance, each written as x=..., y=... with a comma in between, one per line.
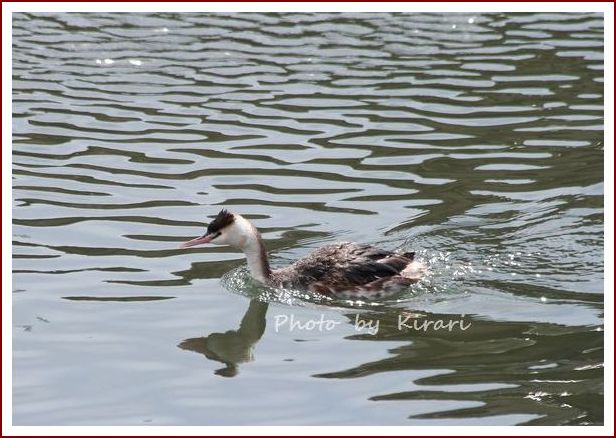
x=232, y=347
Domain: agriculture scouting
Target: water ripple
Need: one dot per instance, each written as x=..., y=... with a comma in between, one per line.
x=475, y=139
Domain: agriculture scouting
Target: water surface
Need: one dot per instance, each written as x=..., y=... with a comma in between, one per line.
x=474, y=139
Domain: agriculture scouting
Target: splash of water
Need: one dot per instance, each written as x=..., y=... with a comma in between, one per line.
x=445, y=275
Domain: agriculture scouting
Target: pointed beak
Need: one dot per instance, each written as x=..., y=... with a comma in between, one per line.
x=207, y=238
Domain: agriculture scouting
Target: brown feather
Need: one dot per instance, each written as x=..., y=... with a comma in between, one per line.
x=348, y=270
x=223, y=219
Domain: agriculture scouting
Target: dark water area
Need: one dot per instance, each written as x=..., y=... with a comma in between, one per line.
x=474, y=139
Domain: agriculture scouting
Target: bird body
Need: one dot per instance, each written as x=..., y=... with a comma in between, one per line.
x=343, y=270
x=350, y=270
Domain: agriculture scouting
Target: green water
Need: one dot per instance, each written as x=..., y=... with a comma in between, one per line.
x=474, y=139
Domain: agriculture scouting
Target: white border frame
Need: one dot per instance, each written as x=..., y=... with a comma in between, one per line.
x=9, y=8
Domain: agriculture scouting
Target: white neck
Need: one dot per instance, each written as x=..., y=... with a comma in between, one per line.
x=252, y=245
x=257, y=260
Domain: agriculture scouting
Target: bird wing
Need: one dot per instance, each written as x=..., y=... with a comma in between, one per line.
x=347, y=265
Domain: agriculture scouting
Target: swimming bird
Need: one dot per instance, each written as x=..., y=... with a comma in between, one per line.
x=344, y=270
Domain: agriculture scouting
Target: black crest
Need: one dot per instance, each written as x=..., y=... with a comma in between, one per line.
x=223, y=219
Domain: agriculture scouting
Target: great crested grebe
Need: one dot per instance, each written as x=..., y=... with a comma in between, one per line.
x=344, y=270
